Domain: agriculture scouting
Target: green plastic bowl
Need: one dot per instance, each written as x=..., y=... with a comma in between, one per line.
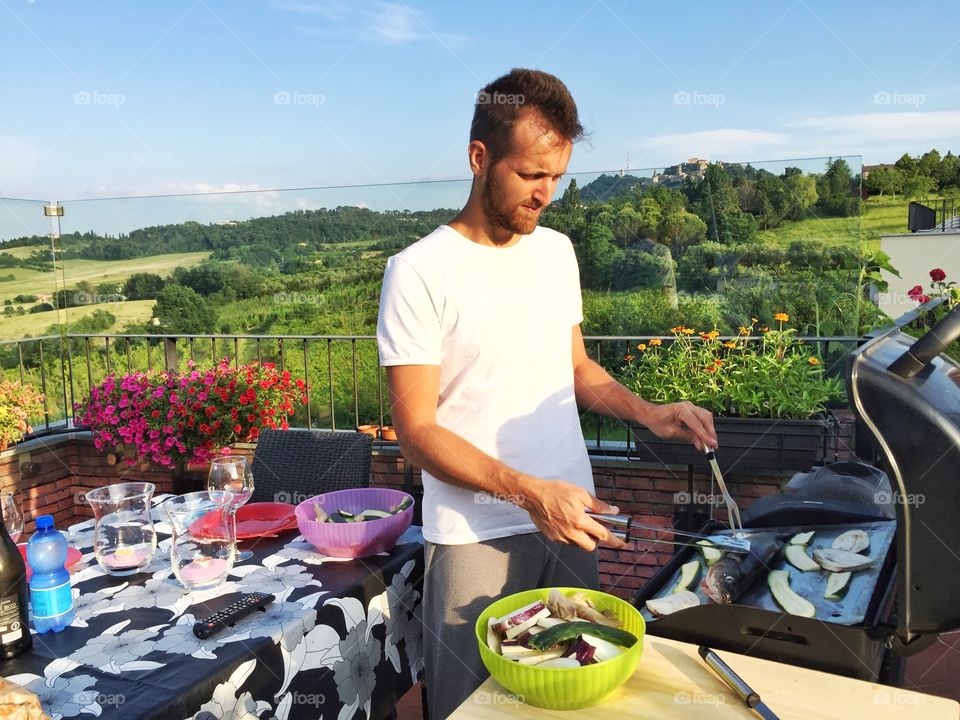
x=562, y=688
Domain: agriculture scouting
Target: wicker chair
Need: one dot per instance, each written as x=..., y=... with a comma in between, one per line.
x=292, y=465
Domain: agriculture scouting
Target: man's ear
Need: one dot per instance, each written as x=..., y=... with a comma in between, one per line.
x=478, y=156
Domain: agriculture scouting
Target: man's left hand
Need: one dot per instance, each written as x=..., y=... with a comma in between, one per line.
x=683, y=421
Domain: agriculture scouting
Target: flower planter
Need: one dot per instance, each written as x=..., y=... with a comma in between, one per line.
x=746, y=444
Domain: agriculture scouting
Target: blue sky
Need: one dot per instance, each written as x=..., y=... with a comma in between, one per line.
x=132, y=98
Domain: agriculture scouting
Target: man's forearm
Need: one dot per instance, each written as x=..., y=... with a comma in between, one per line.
x=598, y=392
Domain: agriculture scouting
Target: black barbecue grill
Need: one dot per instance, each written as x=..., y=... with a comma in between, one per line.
x=907, y=394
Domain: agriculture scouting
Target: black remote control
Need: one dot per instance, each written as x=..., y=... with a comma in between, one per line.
x=210, y=626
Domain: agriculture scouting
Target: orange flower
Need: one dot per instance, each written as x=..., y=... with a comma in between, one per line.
x=710, y=369
x=730, y=345
x=677, y=330
x=744, y=330
x=656, y=341
x=781, y=317
x=765, y=329
x=813, y=361
x=718, y=362
x=628, y=358
x=641, y=347
x=688, y=331
x=754, y=320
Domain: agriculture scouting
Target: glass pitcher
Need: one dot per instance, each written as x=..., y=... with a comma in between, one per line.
x=202, y=549
x=124, y=540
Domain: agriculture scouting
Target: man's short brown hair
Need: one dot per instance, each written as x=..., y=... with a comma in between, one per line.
x=500, y=104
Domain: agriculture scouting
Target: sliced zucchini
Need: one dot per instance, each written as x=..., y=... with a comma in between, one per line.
x=710, y=553
x=779, y=582
x=853, y=541
x=374, y=514
x=401, y=506
x=841, y=560
x=802, y=538
x=568, y=631
x=688, y=573
x=797, y=556
x=837, y=585
x=669, y=604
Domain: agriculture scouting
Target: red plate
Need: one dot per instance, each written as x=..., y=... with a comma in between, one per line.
x=73, y=555
x=255, y=520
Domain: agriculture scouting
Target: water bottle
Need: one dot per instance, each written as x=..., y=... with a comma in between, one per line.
x=51, y=601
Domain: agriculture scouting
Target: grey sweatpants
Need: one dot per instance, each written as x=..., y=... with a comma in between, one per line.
x=462, y=580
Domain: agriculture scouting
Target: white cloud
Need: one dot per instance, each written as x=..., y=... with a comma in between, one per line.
x=372, y=21
x=865, y=129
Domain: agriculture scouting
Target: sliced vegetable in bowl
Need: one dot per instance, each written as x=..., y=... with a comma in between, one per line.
x=564, y=660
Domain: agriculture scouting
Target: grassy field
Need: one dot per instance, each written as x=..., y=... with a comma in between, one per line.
x=94, y=271
x=880, y=216
x=25, y=252
x=126, y=312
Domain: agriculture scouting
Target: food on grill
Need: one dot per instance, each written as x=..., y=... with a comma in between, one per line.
x=688, y=573
x=797, y=556
x=779, y=582
x=672, y=603
x=837, y=585
x=577, y=607
x=728, y=579
x=853, y=541
x=840, y=560
x=710, y=553
x=803, y=538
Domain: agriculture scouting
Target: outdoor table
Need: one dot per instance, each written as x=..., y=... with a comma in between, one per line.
x=341, y=639
x=672, y=681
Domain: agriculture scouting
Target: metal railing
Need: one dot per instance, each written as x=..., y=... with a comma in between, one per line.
x=345, y=382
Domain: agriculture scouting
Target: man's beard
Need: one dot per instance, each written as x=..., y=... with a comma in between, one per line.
x=502, y=214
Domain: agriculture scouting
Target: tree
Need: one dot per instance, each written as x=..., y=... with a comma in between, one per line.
x=919, y=187
x=948, y=174
x=181, y=310
x=882, y=180
x=142, y=286
x=907, y=165
x=929, y=163
x=801, y=193
x=836, y=190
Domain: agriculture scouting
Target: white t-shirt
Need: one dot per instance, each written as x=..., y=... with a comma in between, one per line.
x=499, y=323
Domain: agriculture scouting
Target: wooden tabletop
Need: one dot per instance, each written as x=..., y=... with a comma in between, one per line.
x=672, y=681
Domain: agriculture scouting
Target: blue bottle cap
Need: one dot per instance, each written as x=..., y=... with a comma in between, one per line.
x=44, y=522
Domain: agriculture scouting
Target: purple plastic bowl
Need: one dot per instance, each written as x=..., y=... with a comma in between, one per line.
x=352, y=540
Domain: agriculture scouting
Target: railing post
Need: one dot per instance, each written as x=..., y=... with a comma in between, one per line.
x=170, y=354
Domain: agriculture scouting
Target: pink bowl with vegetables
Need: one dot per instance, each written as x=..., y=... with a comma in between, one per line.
x=553, y=654
x=358, y=522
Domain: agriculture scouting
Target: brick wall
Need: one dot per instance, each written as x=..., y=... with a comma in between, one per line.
x=53, y=475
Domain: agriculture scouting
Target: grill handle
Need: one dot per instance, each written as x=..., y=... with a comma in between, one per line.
x=924, y=350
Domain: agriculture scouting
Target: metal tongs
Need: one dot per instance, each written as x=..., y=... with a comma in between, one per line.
x=721, y=542
x=733, y=510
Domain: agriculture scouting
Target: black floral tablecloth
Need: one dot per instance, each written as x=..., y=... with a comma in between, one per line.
x=342, y=639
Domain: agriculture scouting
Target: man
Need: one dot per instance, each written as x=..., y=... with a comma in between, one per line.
x=479, y=332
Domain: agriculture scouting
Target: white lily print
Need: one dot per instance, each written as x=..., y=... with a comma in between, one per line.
x=227, y=705
x=61, y=697
x=116, y=652
x=180, y=639
x=396, y=604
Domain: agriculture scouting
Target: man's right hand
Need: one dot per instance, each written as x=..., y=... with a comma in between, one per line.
x=558, y=508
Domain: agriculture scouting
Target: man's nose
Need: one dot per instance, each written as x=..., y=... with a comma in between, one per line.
x=543, y=193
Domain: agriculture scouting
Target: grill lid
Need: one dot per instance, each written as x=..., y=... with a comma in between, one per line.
x=907, y=394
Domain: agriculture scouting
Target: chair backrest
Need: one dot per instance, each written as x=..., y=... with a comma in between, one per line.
x=292, y=465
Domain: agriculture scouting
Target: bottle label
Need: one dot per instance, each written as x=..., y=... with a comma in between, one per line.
x=10, y=628
x=51, y=602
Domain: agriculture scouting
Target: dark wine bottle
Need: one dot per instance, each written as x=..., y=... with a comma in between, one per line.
x=14, y=621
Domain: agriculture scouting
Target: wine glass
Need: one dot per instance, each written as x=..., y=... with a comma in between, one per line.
x=233, y=474
x=12, y=517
